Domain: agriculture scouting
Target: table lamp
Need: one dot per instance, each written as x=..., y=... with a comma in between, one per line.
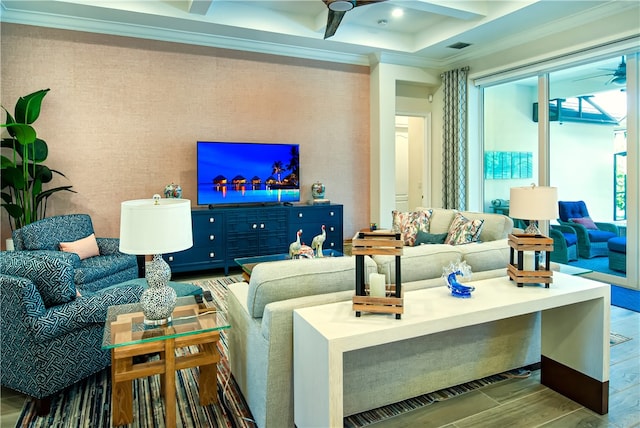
x=533, y=203
x=156, y=226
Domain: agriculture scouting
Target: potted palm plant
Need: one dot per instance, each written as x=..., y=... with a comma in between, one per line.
x=23, y=172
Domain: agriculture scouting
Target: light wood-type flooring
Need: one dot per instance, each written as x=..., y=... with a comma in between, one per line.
x=511, y=403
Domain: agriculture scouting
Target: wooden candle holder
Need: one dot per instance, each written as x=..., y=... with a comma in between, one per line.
x=377, y=243
x=518, y=244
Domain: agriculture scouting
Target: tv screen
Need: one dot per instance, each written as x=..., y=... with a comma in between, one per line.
x=247, y=173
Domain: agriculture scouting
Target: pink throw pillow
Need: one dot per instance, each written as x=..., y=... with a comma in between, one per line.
x=85, y=247
x=586, y=222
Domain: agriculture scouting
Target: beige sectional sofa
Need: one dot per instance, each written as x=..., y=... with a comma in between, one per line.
x=261, y=339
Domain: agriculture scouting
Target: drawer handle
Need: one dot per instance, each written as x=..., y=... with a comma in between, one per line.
x=254, y=226
x=261, y=225
x=331, y=213
x=331, y=229
x=170, y=258
x=212, y=255
x=212, y=220
x=212, y=237
x=299, y=215
x=332, y=244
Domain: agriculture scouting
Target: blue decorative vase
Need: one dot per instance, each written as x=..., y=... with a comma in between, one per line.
x=317, y=190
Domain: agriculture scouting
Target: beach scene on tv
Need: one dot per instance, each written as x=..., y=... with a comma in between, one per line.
x=240, y=173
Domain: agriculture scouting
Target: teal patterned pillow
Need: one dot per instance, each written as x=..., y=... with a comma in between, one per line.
x=430, y=238
x=463, y=231
x=407, y=224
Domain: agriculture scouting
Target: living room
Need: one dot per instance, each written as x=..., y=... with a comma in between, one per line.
x=124, y=112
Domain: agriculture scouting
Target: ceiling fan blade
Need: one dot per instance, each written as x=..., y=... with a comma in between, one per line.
x=593, y=77
x=333, y=21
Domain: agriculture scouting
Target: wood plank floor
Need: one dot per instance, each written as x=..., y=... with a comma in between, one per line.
x=527, y=403
x=511, y=403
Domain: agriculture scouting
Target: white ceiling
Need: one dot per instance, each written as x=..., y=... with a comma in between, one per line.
x=421, y=37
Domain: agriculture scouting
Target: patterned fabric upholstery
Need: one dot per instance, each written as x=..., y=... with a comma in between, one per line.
x=93, y=273
x=46, y=349
x=52, y=277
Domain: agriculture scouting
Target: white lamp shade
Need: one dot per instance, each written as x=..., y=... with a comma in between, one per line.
x=150, y=228
x=533, y=203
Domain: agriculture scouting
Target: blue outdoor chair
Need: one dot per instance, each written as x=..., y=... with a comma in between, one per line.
x=592, y=236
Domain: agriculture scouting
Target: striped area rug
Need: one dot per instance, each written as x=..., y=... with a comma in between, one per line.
x=88, y=403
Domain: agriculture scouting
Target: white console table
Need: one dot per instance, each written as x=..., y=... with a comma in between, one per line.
x=575, y=338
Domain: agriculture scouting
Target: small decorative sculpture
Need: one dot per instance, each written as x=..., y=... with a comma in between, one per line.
x=450, y=274
x=318, y=241
x=295, y=246
x=173, y=191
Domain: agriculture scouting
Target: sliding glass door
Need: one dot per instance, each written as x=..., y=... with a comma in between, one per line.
x=584, y=144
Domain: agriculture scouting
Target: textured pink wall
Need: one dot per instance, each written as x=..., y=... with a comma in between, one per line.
x=123, y=116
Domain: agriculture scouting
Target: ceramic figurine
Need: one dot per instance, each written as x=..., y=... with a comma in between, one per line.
x=318, y=241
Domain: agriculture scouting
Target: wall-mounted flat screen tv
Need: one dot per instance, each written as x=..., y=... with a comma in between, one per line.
x=231, y=173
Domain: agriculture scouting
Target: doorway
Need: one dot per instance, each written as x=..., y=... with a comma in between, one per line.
x=412, y=161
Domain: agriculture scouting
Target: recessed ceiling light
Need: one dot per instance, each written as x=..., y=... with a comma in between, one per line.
x=397, y=12
x=382, y=22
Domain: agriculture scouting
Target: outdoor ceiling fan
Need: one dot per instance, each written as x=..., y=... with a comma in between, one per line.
x=618, y=75
x=337, y=9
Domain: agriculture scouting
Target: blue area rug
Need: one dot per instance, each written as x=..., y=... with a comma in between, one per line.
x=620, y=296
x=625, y=298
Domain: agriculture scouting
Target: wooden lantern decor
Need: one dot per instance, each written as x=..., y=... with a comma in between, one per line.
x=529, y=271
x=377, y=243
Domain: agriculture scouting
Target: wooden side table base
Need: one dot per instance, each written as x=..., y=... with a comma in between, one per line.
x=123, y=371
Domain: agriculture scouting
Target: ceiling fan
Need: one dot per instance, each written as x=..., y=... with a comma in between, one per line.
x=337, y=9
x=618, y=75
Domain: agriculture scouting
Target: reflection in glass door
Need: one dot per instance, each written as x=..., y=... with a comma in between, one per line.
x=587, y=137
x=510, y=142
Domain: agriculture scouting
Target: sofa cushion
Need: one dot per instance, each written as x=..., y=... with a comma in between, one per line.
x=288, y=279
x=52, y=277
x=486, y=255
x=95, y=268
x=600, y=235
x=408, y=224
x=570, y=238
x=463, y=230
x=618, y=244
x=84, y=247
x=440, y=220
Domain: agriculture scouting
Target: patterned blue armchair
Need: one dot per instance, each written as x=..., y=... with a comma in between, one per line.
x=50, y=337
x=90, y=274
x=592, y=236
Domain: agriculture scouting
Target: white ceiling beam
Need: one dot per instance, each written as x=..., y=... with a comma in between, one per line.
x=465, y=10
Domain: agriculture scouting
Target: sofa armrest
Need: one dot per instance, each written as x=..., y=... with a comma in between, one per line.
x=71, y=258
x=278, y=316
x=609, y=227
x=581, y=231
x=86, y=310
x=563, y=228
